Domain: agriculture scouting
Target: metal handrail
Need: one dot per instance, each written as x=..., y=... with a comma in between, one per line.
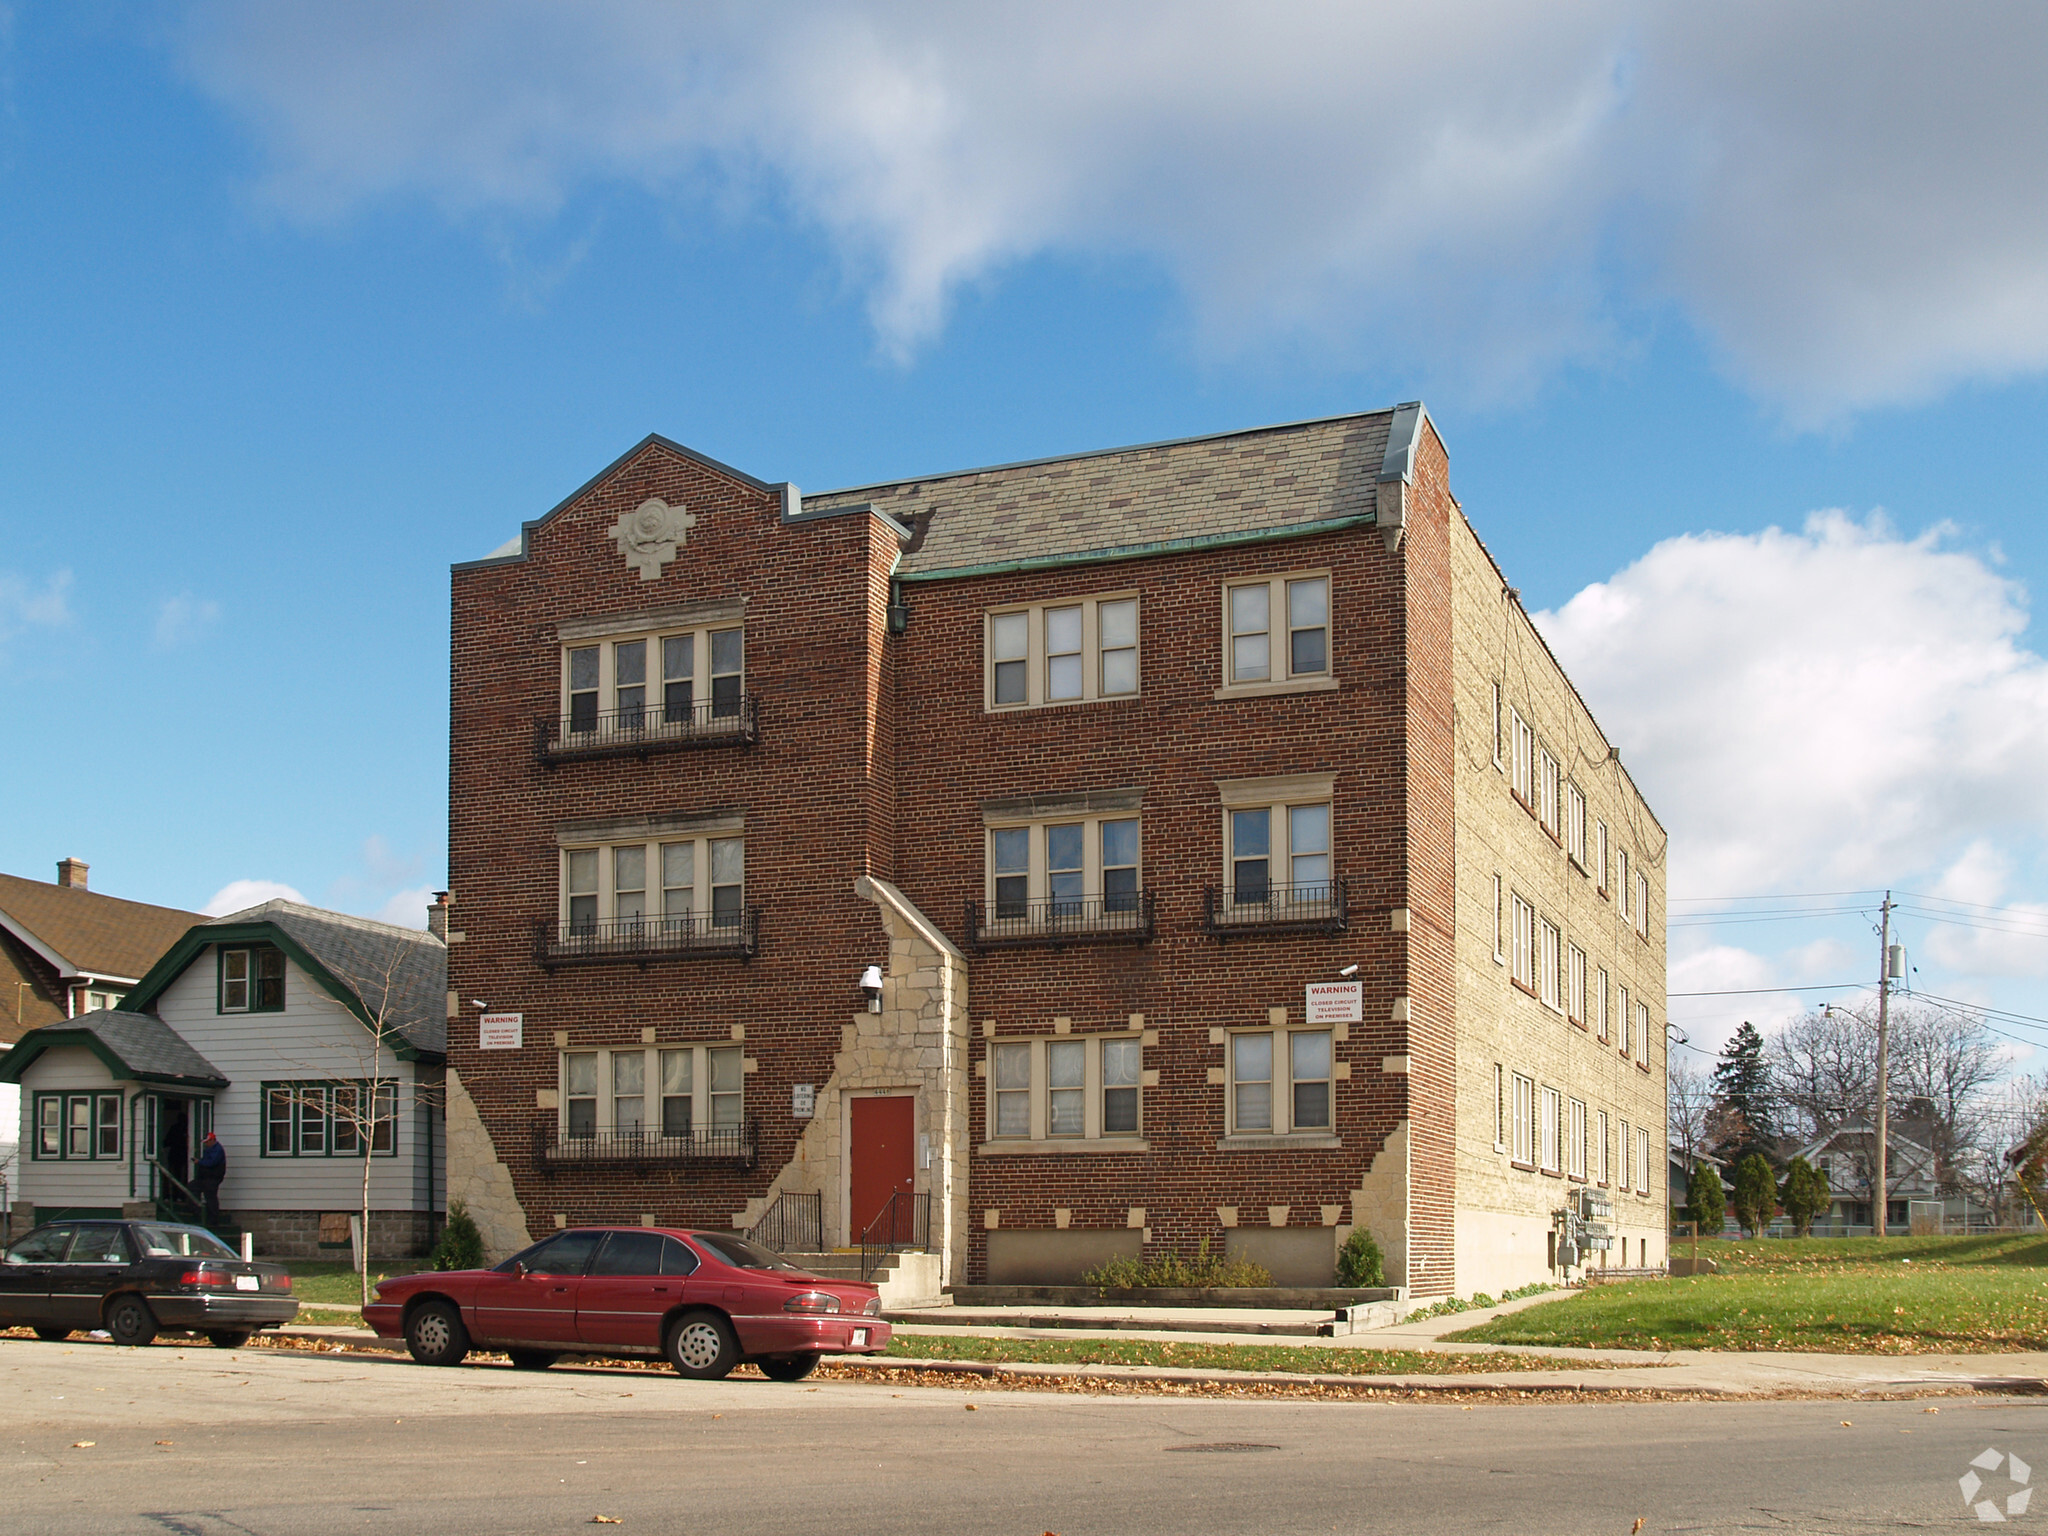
x=674, y=936
x=795, y=1223
x=179, y=1184
x=649, y=728
x=1125, y=918
x=905, y=1221
x=1321, y=906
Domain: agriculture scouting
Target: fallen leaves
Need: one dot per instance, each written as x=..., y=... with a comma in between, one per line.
x=604, y=1520
x=83, y=1445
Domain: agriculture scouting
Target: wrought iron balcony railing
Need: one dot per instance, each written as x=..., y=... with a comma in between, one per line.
x=733, y=1144
x=643, y=940
x=647, y=729
x=1321, y=907
x=1125, y=918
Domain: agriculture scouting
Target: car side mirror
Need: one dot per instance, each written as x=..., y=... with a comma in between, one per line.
x=519, y=1271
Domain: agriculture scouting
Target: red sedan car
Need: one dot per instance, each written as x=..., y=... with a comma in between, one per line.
x=708, y=1301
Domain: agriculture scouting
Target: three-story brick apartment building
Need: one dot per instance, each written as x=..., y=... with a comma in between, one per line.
x=1176, y=844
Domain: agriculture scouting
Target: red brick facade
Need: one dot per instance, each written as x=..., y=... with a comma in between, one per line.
x=876, y=756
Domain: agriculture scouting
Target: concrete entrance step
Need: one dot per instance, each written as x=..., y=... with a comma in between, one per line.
x=909, y=1279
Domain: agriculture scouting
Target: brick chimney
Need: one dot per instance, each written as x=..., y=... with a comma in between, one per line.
x=71, y=874
x=437, y=915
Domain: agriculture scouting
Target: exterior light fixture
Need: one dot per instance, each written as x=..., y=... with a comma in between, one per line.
x=871, y=985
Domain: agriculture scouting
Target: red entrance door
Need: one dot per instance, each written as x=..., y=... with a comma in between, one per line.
x=883, y=1162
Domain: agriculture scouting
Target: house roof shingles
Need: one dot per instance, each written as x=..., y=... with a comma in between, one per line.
x=95, y=934
x=1137, y=500
x=381, y=963
x=145, y=1046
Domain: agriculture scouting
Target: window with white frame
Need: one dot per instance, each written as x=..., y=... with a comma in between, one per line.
x=1621, y=881
x=1280, y=1082
x=330, y=1119
x=1524, y=1127
x=675, y=677
x=1575, y=1138
x=1575, y=823
x=1605, y=1153
x=1643, y=1033
x=1627, y=1147
x=1524, y=967
x=251, y=980
x=1601, y=986
x=1644, y=1183
x=1627, y=1018
x=1500, y=1108
x=1066, y=652
x=1575, y=984
x=666, y=1092
x=1552, y=1132
x=1600, y=856
x=1069, y=1087
x=77, y=1127
x=1547, y=791
x=680, y=885
x=1642, y=904
x=1078, y=868
x=1547, y=965
x=1277, y=630
x=1522, y=759
x=1499, y=729
x=1499, y=923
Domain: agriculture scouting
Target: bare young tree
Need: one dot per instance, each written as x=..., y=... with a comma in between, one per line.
x=1689, y=1103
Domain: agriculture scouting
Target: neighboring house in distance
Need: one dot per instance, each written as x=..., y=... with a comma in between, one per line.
x=1294, y=888
x=65, y=950
x=1845, y=1157
x=263, y=1027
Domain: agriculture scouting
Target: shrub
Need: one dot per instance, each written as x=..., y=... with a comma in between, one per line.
x=461, y=1245
x=1359, y=1262
x=1804, y=1194
x=1706, y=1199
x=1756, y=1194
x=1170, y=1269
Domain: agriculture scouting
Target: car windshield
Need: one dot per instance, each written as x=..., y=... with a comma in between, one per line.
x=740, y=1253
x=162, y=1242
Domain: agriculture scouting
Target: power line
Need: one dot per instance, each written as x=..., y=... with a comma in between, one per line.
x=1819, y=986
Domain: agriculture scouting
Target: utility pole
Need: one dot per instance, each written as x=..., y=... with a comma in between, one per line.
x=1880, y=1201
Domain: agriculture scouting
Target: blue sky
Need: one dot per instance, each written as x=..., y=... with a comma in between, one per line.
x=299, y=305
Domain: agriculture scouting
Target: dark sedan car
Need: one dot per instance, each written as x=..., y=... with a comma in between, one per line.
x=134, y=1278
x=707, y=1301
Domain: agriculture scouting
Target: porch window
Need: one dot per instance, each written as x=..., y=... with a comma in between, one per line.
x=78, y=1127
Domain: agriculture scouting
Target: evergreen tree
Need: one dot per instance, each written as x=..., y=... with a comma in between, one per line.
x=1804, y=1195
x=1741, y=1114
x=1756, y=1194
x=1706, y=1199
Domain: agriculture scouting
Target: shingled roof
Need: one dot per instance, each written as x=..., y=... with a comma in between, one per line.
x=136, y=1047
x=383, y=965
x=1121, y=502
x=84, y=933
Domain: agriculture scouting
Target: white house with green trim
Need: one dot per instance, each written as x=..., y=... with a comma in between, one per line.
x=306, y=1040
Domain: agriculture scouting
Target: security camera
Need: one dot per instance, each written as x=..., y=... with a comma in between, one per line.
x=479, y=1003
x=1349, y=970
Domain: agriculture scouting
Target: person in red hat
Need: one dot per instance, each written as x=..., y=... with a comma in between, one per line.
x=213, y=1167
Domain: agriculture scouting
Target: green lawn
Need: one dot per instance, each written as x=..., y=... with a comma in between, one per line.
x=319, y=1280
x=1304, y=1360
x=1894, y=1296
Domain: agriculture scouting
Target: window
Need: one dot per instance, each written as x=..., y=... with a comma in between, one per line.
x=251, y=980
x=1547, y=791
x=1499, y=923
x=1644, y=1184
x=606, y=894
x=1500, y=1108
x=1525, y=1107
x=1600, y=856
x=1553, y=1132
x=1622, y=1011
x=1073, y=870
x=1642, y=905
x=1621, y=881
x=676, y=678
x=1277, y=630
x=1600, y=998
x=652, y=1093
x=1066, y=653
x=1604, y=1152
x=1626, y=1159
x=78, y=1127
x=1575, y=1139
x=1523, y=759
x=1552, y=941
x=330, y=1119
x=1524, y=968
x=1290, y=868
x=1078, y=1087
x=1575, y=823
x=1297, y=1100
x=1575, y=984
x=1499, y=723
x=96, y=1000
x=1643, y=1033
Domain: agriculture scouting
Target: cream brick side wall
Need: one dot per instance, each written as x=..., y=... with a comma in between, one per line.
x=1504, y=1218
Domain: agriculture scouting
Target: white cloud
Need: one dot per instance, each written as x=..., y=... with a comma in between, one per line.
x=1832, y=708
x=1846, y=203
x=25, y=605
x=1967, y=940
x=239, y=895
x=406, y=909
x=184, y=618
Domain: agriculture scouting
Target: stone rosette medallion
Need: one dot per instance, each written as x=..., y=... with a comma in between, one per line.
x=649, y=535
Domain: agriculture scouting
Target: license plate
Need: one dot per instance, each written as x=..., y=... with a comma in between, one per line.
x=860, y=1337
x=248, y=1282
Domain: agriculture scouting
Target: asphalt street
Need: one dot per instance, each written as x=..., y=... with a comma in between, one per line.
x=202, y=1442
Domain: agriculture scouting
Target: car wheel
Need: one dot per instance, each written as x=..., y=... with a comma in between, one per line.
x=52, y=1335
x=227, y=1338
x=532, y=1359
x=701, y=1346
x=130, y=1321
x=787, y=1367
x=435, y=1335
